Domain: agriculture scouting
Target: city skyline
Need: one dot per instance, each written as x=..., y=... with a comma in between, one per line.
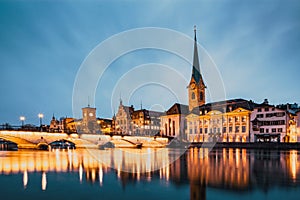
x=253, y=45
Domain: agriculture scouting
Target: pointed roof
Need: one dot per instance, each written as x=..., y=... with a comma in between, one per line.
x=178, y=109
x=196, y=74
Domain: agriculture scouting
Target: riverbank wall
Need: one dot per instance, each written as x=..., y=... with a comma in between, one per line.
x=245, y=145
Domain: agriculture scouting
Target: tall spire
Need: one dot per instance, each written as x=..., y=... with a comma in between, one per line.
x=196, y=87
x=196, y=65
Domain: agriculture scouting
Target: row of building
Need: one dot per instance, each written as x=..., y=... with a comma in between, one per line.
x=235, y=120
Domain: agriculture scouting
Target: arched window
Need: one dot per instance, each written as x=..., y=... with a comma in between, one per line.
x=201, y=96
x=193, y=95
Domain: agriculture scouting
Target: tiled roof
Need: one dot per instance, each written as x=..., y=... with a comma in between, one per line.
x=225, y=106
x=128, y=109
x=146, y=113
x=178, y=109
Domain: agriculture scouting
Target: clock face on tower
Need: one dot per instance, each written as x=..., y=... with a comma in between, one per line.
x=91, y=114
x=193, y=85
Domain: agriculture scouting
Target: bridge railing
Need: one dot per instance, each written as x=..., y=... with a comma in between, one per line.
x=27, y=127
x=9, y=127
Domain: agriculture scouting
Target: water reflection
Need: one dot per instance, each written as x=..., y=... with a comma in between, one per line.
x=227, y=168
x=25, y=179
x=231, y=169
x=44, y=181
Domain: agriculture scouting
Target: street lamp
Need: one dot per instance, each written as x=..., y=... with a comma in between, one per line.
x=22, y=119
x=40, y=115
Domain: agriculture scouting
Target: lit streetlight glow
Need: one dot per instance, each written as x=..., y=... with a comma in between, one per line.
x=40, y=115
x=22, y=119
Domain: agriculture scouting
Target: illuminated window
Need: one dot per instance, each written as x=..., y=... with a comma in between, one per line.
x=243, y=118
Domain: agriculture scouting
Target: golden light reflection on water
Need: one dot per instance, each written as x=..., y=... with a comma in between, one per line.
x=225, y=168
x=44, y=181
x=25, y=179
x=293, y=162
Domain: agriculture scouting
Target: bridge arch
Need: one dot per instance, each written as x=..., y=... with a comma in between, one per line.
x=7, y=144
x=19, y=141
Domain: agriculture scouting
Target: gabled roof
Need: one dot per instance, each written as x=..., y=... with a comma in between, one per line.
x=178, y=109
x=128, y=109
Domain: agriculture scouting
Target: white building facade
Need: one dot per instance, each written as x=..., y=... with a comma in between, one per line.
x=273, y=124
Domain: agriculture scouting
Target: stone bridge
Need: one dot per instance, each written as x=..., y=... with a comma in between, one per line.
x=31, y=140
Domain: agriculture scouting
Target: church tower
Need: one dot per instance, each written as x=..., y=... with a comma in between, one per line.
x=89, y=120
x=196, y=88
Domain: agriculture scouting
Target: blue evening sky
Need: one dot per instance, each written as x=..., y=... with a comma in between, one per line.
x=255, y=45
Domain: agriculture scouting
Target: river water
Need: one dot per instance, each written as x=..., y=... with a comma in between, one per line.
x=150, y=174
